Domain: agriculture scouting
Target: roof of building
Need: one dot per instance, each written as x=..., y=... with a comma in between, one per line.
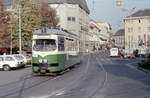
x=141, y=13
x=120, y=32
x=81, y=3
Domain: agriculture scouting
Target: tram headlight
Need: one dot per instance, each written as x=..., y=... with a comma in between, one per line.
x=45, y=61
x=34, y=55
x=40, y=60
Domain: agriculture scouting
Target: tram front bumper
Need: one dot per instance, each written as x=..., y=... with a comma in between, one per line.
x=44, y=68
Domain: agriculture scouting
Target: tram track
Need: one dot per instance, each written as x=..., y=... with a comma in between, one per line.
x=24, y=86
x=66, y=88
x=101, y=85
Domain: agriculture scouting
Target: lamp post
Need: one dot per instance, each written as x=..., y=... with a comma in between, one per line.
x=20, y=23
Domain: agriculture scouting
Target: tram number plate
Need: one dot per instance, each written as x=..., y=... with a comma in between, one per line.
x=43, y=71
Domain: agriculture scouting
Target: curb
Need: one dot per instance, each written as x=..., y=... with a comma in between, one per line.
x=144, y=70
x=137, y=68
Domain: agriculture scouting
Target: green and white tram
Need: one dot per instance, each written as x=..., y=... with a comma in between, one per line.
x=54, y=50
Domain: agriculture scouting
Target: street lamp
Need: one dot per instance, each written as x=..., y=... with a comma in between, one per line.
x=20, y=23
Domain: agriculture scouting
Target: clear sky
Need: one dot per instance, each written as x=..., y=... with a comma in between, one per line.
x=108, y=11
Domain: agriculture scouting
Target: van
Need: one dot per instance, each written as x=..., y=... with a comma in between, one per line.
x=114, y=52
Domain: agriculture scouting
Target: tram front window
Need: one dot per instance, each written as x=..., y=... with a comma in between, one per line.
x=44, y=45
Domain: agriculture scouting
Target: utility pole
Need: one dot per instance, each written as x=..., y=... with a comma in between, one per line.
x=20, y=40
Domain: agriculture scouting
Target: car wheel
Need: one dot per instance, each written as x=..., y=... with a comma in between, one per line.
x=6, y=68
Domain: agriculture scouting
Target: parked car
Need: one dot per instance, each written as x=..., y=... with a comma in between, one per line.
x=10, y=61
x=143, y=53
x=26, y=59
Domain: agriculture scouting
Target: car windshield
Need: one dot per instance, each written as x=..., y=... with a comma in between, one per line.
x=18, y=57
x=44, y=45
x=25, y=55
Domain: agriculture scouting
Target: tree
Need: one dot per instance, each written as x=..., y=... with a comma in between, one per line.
x=34, y=15
x=48, y=14
x=4, y=27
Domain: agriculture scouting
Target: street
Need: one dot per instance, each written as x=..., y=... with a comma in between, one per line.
x=98, y=76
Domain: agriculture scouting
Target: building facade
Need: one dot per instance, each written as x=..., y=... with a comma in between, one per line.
x=74, y=17
x=99, y=35
x=105, y=33
x=119, y=38
x=137, y=31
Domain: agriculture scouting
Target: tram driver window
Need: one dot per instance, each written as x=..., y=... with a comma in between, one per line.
x=61, y=44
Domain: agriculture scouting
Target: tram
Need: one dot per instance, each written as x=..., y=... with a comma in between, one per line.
x=54, y=50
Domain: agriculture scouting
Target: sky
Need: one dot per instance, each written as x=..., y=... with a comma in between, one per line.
x=108, y=11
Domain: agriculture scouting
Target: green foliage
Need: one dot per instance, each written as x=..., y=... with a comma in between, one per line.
x=145, y=64
x=4, y=27
x=34, y=15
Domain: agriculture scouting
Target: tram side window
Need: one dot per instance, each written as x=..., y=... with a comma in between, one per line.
x=69, y=44
x=61, y=44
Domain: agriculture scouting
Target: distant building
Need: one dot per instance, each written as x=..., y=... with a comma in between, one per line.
x=99, y=34
x=119, y=38
x=137, y=31
x=105, y=32
x=94, y=36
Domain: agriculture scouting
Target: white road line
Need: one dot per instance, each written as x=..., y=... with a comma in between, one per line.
x=60, y=93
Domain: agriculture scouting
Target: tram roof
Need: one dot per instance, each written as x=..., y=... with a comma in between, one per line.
x=54, y=32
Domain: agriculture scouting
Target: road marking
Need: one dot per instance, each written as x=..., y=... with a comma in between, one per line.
x=60, y=93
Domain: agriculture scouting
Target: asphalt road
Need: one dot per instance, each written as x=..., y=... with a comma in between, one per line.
x=99, y=76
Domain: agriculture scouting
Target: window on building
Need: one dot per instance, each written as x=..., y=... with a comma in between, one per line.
x=139, y=29
x=139, y=21
x=69, y=18
x=139, y=37
x=73, y=19
x=148, y=29
x=130, y=29
x=148, y=19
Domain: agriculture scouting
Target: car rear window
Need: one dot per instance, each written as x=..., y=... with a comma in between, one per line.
x=9, y=58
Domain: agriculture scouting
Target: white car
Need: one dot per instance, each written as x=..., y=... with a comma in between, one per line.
x=9, y=61
x=114, y=52
x=143, y=52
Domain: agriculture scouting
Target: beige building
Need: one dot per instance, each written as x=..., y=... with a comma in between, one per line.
x=99, y=35
x=137, y=31
x=119, y=38
x=105, y=32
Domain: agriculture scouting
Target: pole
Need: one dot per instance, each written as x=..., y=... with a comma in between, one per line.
x=20, y=43
x=11, y=41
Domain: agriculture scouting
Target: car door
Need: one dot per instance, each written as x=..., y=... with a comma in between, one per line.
x=1, y=62
x=10, y=61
